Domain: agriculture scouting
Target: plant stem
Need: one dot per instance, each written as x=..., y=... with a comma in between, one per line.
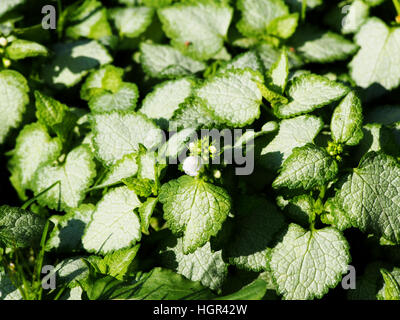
x=59, y=14
x=304, y=10
x=30, y=201
x=39, y=262
x=322, y=192
x=25, y=292
x=397, y=6
x=59, y=293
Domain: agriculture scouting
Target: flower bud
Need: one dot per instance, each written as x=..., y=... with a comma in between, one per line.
x=6, y=62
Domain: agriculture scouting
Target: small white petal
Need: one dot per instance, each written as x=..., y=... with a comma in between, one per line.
x=192, y=165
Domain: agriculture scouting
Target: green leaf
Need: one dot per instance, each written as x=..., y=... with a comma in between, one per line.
x=269, y=127
x=391, y=289
x=347, y=119
x=272, y=95
x=20, y=228
x=306, y=168
x=377, y=138
x=157, y=3
x=300, y=209
x=48, y=110
x=222, y=55
x=293, y=133
x=256, y=223
x=283, y=27
x=8, y=5
x=279, y=72
x=75, y=176
x=70, y=272
x=193, y=113
x=335, y=215
x=162, y=61
x=146, y=211
x=198, y=29
x=165, y=99
x=249, y=136
x=122, y=169
x=55, y=115
x=105, y=287
x=114, y=224
x=88, y=20
x=116, y=263
x=21, y=49
x=124, y=98
x=258, y=14
x=131, y=22
x=142, y=187
x=72, y=294
x=72, y=61
x=319, y=46
x=147, y=164
x=378, y=45
x=370, y=196
x=7, y=289
x=158, y=284
x=175, y=145
x=68, y=231
x=269, y=55
x=357, y=14
x=308, y=92
x=244, y=60
x=234, y=97
x=107, y=78
x=195, y=209
x=13, y=100
x=245, y=43
x=118, y=133
x=253, y=291
x=33, y=148
x=324, y=254
x=202, y=265
x=164, y=284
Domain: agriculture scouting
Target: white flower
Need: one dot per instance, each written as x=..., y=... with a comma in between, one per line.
x=192, y=165
x=3, y=42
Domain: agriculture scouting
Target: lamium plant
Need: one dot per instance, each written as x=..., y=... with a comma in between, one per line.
x=200, y=149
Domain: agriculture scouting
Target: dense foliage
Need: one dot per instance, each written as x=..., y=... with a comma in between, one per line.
x=94, y=112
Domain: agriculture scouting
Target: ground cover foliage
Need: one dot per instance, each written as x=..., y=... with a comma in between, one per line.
x=87, y=184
